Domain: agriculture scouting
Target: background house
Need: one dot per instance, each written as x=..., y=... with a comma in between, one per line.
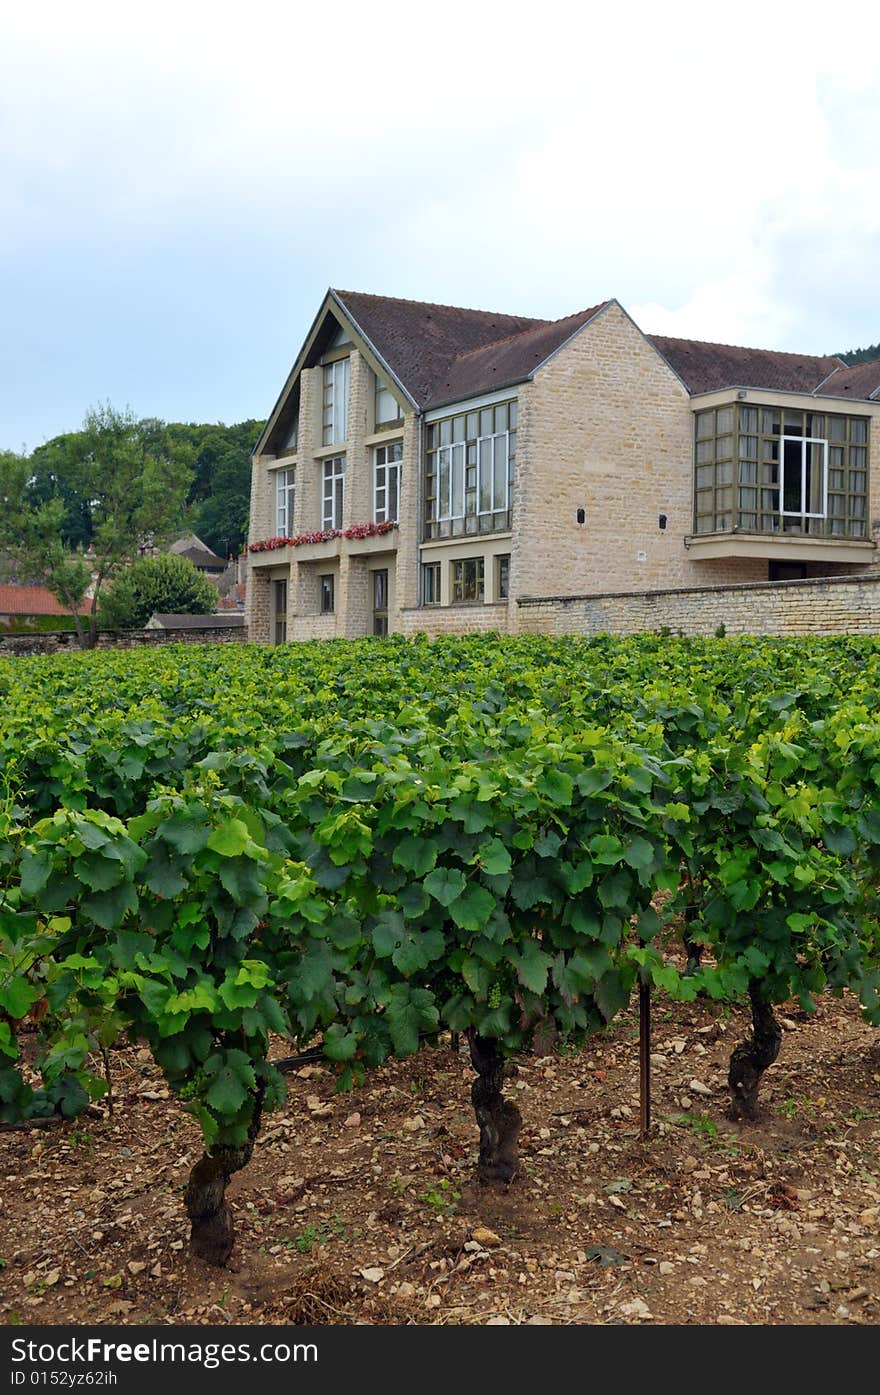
x=21, y=606
x=203, y=559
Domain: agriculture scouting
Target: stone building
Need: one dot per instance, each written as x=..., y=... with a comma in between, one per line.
x=427, y=467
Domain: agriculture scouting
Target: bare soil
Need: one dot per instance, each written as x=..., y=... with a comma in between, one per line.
x=361, y=1208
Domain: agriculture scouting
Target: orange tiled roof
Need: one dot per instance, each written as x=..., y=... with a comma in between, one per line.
x=29, y=600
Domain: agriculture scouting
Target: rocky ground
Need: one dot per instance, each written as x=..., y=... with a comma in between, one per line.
x=360, y=1207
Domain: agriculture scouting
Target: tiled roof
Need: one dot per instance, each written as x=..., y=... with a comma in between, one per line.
x=441, y=352
x=29, y=600
x=508, y=360
x=708, y=367
x=859, y=380
x=204, y=560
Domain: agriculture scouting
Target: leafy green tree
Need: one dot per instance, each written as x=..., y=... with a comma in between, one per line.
x=127, y=492
x=167, y=583
x=868, y=355
x=220, y=495
x=31, y=539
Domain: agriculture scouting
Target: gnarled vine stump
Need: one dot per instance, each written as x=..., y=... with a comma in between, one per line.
x=751, y=1058
x=212, y=1229
x=498, y=1119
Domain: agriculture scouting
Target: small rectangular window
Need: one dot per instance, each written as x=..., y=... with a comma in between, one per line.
x=431, y=583
x=280, y=603
x=502, y=577
x=468, y=580
x=327, y=593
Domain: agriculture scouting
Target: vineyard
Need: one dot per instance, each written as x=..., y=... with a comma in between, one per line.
x=358, y=848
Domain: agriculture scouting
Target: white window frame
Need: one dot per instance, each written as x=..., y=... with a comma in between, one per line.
x=383, y=396
x=386, y=493
x=489, y=442
x=333, y=491
x=337, y=377
x=285, y=499
x=803, y=441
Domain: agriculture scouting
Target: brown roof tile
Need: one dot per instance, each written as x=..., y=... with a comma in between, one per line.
x=203, y=558
x=420, y=342
x=708, y=367
x=859, y=380
x=444, y=353
x=507, y=360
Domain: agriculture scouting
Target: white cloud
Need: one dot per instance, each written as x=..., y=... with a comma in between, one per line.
x=715, y=170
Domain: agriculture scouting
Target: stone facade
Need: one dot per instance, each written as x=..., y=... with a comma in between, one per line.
x=602, y=501
x=828, y=605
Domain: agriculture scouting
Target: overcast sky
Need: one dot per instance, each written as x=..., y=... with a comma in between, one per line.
x=179, y=183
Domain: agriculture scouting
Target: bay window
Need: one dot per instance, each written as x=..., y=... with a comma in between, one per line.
x=776, y=470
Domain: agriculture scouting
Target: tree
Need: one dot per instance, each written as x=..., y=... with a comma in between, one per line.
x=167, y=583
x=126, y=493
x=868, y=355
x=220, y=495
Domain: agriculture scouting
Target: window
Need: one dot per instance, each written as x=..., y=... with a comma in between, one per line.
x=386, y=498
x=280, y=609
x=431, y=583
x=804, y=478
x=380, y=602
x=469, y=471
x=774, y=470
x=502, y=577
x=468, y=580
x=335, y=418
x=327, y=593
x=387, y=406
x=333, y=492
x=285, y=492
x=289, y=445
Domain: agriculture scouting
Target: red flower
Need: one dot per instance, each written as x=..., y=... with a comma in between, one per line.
x=355, y=532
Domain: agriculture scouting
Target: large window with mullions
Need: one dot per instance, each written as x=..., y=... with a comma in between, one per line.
x=469, y=468
x=775, y=470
